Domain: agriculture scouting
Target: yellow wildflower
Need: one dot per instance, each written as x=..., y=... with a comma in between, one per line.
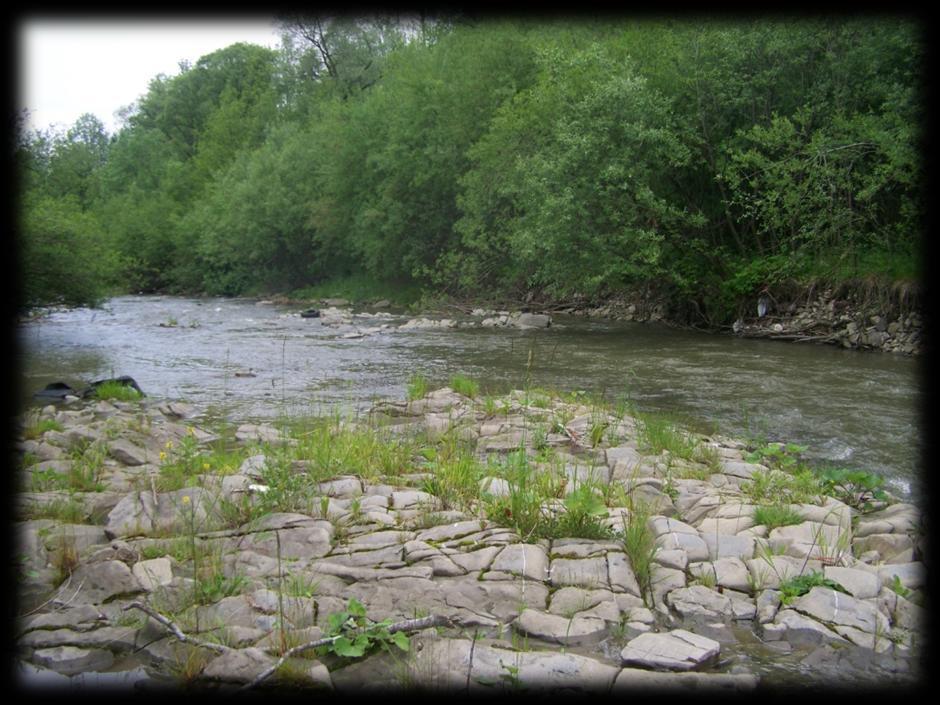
x=185, y=499
x=162, y=455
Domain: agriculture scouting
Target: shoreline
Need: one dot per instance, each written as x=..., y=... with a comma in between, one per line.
x=597, y=537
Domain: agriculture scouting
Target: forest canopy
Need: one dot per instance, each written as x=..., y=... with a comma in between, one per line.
x=495, y=158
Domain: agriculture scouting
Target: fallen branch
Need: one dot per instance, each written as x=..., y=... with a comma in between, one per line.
x=409, y=625
x=175, y=630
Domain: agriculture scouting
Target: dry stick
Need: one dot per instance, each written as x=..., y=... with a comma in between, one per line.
x=175, y=630
x=408, y=625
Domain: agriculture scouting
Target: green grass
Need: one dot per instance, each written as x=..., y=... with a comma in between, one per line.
x=35, y=430
x=640, y=546
x=464, y=385
x=117, y=392
x=418, y=387
x=776, y=515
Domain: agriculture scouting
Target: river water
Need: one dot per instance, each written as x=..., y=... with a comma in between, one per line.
x=852, y=409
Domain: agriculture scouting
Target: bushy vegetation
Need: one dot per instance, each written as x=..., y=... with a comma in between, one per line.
x=706, y=159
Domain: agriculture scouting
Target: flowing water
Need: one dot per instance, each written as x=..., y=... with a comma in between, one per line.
x=852, y=409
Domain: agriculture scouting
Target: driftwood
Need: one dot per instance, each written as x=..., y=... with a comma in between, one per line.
x=408, y=625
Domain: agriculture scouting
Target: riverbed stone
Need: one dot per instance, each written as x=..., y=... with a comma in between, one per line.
x=731, y=573
x=892, y=548
x=693, y=544
x=238, y=665
x=862, y=584
x=128, y=453
x=677, y=650
x=560, y=630
x=72, y=660
x=725, y=546
x=837, y=608
x=631, y=680
x=620, y=574
x=581, y=572
x=801, y=630
x=97, y=582
x=526, y=560
x=912, y=576
x=153, y=573
x=898, y=518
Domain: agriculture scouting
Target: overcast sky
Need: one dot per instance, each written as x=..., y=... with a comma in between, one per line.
x=72, y=66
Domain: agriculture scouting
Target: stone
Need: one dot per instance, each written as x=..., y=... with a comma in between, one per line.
x=862, y=584
x=128, y=453
x=583, y=572
x=685, y=683
x=677, y=650
x=768, y=603
x=731, y=573
x=568, y=601
x=770, y=571
x=724, y=546
x=560, y=630
x=810, y=538
x=889, y=546
x=693, y=544
x=71, y=660
x=833, y=607
x=153, y=573
x=527, y=560
x=495, y=486
x=665, y=580
x=238, y=665
x=912, y=575
x=620, y=574
x=444, y=664
x=800, y=630
x=97, y=582
x=531, y=320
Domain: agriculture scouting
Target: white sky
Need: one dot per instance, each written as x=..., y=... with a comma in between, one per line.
x=76, y=65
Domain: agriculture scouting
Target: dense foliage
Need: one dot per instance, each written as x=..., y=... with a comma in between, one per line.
x=704, y=159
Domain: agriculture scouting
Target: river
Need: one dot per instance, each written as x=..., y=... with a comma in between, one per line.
x=850, y=408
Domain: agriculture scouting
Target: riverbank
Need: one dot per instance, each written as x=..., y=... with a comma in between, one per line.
x=557, y=542
x=860, y=315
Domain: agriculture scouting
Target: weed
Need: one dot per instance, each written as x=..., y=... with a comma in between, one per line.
x=37, y=429
x=856, y=488
x=64, y=558
x=356, y=635
x=776, y=515
x=418, y=387
x=798, y=585
x=116, y=391
x=465, y=386
x=640, y=546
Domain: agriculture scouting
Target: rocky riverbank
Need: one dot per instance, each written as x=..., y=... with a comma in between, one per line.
x=849, y=317
x=555, y=543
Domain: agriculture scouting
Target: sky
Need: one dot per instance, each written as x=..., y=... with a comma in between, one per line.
x=71, y=66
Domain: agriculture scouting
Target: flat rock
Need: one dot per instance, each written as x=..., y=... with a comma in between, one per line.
x=834, y=607
x=96, y=582
x=677, y=650
x=560, y=630
x=153, y=573
x=862, y=584
x=638, y=679
x=71, y=660
x=238, y=665
x=582, y=572
x=527, y=560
